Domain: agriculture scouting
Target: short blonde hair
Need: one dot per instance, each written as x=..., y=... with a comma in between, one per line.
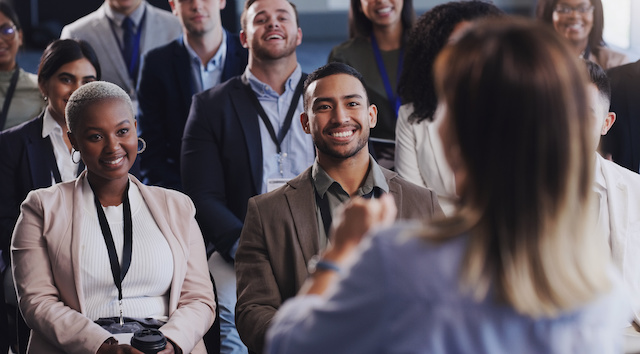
x=89, y=94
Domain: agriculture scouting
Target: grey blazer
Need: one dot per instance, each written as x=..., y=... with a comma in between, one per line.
x=160, y=27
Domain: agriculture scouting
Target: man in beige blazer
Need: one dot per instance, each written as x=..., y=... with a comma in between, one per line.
x=103, y=29
x=284, y=229
x=618, y=190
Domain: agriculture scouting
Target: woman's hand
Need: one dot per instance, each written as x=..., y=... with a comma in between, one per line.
x=111, y=346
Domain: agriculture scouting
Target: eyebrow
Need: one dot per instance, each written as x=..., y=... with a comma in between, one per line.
x=332, y=99
x=64, y=73
x=278, y=11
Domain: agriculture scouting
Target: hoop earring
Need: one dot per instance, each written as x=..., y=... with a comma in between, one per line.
x=144, y=145
x=73, y=153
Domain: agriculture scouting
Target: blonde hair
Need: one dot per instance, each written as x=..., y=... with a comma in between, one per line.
x=516, y=98
x=89, y=94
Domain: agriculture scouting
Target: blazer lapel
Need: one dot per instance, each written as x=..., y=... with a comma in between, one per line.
x=394, y=189
x=76, y=231
x=182, y=69
x=41, y=158
x=236, y=58
x=302, y=206
x=108, y=43
x=248, y=118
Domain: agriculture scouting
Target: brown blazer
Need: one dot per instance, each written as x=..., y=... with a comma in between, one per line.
x=45, y=250
x=280, y=235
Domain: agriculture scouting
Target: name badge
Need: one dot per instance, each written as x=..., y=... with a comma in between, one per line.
x=275, y=183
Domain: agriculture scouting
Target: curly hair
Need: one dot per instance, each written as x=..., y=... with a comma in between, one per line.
x=361, y=26
x=426, y=40
x=544, y=13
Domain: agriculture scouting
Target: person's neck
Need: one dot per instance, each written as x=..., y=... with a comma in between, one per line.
x=129, y=11
x=273, y=72
x=388, y=37
x=350, y=172
x=580, y=46
x=109, y=192
x=9, y=67
x=206, y=46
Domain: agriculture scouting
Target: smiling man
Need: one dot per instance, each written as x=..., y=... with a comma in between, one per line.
x=239, y=141
x=286, y=228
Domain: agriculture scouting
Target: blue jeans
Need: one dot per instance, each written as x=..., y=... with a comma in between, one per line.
x=225, y=277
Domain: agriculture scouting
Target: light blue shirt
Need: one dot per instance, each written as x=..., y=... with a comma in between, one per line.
x=403, y=296
x=298, y=151
x=207, y=76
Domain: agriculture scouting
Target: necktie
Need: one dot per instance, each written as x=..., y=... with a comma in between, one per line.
x=127, y=40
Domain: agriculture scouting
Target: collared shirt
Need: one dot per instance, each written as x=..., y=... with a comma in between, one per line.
x=50, y=128
x=324, y=185
x=600, y=187
x=116, y=19
x=209, y=75
x=298, y=151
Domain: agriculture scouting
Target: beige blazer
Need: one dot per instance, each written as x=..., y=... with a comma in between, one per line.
x=279, y=237
x=46, y=269
x=623, y=197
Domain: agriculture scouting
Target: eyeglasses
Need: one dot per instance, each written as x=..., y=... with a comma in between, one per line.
x=7, y=31
x=565, y=9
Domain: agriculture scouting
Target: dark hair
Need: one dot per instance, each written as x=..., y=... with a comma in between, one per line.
x=7, y=10
x=63, y=51
x=544, y=13
x=247, y=5
x=333, y=68
x=426, y=40
x=361, y=26
x=599, y=77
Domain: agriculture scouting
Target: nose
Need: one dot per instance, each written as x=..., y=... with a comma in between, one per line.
x=273, y=22
x=340, y=115
x=196, y=4
x=111, y=145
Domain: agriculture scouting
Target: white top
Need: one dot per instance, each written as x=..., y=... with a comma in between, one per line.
x=145, y=288
x=420, y=158
x=68, y=170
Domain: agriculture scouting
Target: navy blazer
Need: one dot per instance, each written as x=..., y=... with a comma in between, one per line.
x=222, y=160
x=164, y=94
x=622, y=141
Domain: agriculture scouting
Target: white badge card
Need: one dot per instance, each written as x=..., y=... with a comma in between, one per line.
x=275, y=183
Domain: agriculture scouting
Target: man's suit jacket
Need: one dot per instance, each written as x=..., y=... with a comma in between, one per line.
x=160, y=27
x=46, y=251
x=280, y=236
x=221, y=160
x=623, y=140
x=623, y=197
x=164, y=96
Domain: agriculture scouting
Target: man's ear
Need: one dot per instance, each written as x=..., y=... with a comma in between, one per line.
x=172, y=5
x=243, y=39
x=608, y=122
x=373, y=116
x=304, y=120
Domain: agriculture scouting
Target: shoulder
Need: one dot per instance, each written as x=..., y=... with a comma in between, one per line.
x=622, y=72
x=165, y=50
x=173, y=200
x=24, y=130
x=610, y=168
x=609, y=58
x=222, y=90
x=348, y=48
x=85, y=23
x=52, y=197
x=299, y=184
x=28, y=79
x=406, y=186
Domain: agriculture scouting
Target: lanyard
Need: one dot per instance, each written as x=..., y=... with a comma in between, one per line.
x=116, y=271
x=135, y=57
x=7, y=99
x=287, y=121
x=394, y=100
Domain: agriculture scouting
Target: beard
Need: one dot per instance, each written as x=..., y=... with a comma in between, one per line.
x=274, y=54
x=328, y=150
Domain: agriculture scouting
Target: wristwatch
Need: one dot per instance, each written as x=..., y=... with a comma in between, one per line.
x=316, y=263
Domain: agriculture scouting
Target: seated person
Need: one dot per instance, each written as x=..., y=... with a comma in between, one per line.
x=71, y=239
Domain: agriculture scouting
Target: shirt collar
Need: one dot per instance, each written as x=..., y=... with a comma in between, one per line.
x=49, y=125
x=261, y=89
x=117, y=18
x=599, y=177
x=375, y=179
x=217, y=58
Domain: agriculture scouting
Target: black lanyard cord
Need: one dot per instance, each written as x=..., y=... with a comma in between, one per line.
x=117, y=272
x=9, y=96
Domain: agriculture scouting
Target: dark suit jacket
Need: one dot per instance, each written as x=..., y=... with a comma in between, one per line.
x=221, y=160
x=164, y=95
x=623, y=140
x=279, y=237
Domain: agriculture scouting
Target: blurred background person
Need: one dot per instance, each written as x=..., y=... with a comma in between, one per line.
x=38, y=153
x=581, y=22
x=105, y=244
x=419, y=152
x=521, y=252
x=378, y=31
x=19, y=94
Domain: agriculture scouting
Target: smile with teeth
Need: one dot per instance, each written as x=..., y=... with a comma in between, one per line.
x=343, y=134
x=113, y=162
x=384, y=11
x=275, y=36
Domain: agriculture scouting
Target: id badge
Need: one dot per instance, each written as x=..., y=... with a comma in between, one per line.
x=275, y=183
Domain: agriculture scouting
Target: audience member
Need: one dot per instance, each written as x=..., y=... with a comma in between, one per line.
x=37, y=153
x=378, y=31
x=618, y=191
x=520, y=267
x=239, y=141
x=203, y=57
x=121, y=32
x=286, y=228
x=581, y=22
x=622, y=144
x=419, y=152
x=19, y=94
x=74, y=240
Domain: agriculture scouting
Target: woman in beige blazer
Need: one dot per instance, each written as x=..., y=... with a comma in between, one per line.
x=61, y=263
